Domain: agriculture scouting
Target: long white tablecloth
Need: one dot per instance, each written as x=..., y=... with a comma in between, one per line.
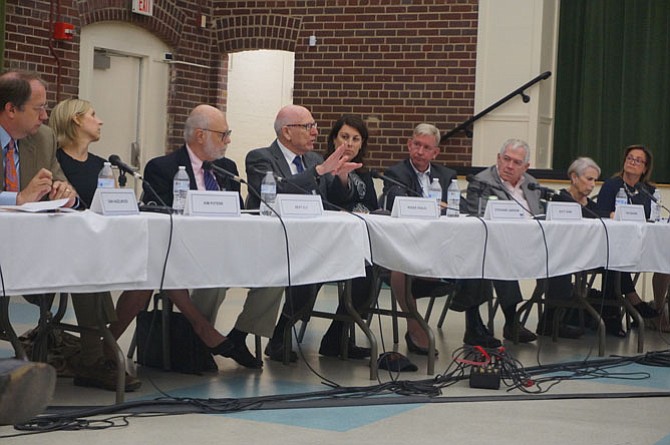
x=468, y=247
x=81, y=252
x=71, y=251
x=250, y=251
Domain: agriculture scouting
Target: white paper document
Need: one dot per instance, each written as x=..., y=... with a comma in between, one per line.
x=40, y=206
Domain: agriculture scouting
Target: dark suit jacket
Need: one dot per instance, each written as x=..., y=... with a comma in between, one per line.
x=490, y=176
x=272, y=159
x=160, y=171
x=404, y=173
x=36, y=152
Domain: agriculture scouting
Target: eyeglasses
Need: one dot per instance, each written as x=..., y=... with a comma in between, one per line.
x=307, y=127
x=635, y=161
x=222, y=134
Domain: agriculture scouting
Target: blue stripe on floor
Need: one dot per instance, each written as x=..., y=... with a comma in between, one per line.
x=331, y=419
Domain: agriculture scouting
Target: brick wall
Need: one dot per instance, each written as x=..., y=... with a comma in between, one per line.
x=396, y=62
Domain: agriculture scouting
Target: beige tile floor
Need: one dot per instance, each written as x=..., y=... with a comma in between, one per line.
x=459, y=415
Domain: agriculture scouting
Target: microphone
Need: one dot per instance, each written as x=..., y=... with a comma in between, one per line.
x=116, y=161
x=209, y=165
x=567, y=197
x=642, y=188
x=486, y=184
x=264, y=172
x=546, y=192
x=471, y=178
x=404, y=187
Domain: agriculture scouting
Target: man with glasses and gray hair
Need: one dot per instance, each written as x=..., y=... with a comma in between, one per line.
x=292, y=157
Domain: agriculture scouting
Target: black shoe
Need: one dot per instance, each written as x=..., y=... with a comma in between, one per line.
x=241, y=354
x=276, y=353
x=564, y=330
x=481, y=338
x=525, y=336
x=225, y=348
x=331, y=348
x=413, y=347
x=645, y=310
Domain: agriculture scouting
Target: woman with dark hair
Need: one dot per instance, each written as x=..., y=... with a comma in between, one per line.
x=634, y=175
x=634, y=179
x=351, y=130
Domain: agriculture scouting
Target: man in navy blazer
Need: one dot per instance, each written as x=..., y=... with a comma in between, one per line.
x=418, y=170
x=159, y=172
x=207, y=136
x=416, y=173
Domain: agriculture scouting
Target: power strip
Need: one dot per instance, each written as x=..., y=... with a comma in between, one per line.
x=485, y=377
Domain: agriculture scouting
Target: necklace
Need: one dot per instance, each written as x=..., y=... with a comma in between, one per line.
x=630, y=191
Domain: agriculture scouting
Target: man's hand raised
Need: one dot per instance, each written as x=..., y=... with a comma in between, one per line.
x=338, y=164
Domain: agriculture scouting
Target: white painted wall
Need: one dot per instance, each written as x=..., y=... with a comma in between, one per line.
x=144, y=96
x=259, y=84
x=516, y=42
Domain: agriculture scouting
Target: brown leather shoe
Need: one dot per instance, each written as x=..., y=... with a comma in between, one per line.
x=102, y=374
x=25, y=389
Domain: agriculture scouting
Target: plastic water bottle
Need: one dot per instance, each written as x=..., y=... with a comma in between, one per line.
x=106, y=177
x=656, y=207
x=268, y=193
x=621, y=198
x=453, y=199
x=435, y=191
x=180, y=186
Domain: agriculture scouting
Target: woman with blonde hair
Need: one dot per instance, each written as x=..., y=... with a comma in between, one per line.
x=76, y=126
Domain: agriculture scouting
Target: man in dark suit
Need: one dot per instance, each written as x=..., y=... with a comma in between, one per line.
x=416, y=173
x=205, y=144
x=507, y=180
x=291, y=156
x=206, y=136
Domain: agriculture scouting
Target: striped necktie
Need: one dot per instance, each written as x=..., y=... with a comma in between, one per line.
x=210, y=181
x=11, y=175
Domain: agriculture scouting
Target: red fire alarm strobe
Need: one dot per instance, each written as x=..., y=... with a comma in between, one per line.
x=63, y=31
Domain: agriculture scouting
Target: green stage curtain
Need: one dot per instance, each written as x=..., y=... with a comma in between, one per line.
x=613, y=82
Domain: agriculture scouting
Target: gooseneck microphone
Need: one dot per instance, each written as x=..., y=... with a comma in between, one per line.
x=116, y=161
x=471, y=178
x=125, y=168
x=209, y=165
x=546, y=192
x=403, y=186
x=642, y=188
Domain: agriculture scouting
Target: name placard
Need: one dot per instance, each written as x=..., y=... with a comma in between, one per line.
x=212, y=203
x=503, y=210
x=109, y=201
x=419, y=208
x=630, y=212
x=298, y=206
x=563, y=211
